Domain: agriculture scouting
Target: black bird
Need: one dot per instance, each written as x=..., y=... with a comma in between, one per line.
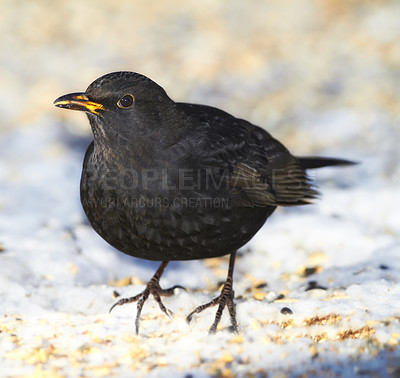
x=164, y=180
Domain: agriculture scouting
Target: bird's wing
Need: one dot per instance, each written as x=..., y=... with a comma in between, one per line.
x=274, y=185
x=259, y=170
x=262, y=172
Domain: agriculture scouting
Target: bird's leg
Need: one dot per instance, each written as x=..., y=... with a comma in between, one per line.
x=224, y=299
x=153, y=288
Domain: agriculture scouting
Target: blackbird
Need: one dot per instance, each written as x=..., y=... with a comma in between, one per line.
x=165, y=180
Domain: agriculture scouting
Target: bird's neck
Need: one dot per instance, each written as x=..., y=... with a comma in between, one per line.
x=112, y=150
x=145, y=148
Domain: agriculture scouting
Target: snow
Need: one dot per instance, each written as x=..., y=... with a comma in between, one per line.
x=334, y=264
x=55, y=277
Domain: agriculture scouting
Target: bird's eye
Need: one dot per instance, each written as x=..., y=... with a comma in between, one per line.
x=126, y=101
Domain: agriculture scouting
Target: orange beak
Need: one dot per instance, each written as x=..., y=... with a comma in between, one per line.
x=78, y=101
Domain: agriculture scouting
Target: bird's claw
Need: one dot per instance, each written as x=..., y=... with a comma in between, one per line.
x=225, y=299
x=156, y=291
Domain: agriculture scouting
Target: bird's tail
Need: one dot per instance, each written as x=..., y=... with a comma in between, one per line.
x=319, y=162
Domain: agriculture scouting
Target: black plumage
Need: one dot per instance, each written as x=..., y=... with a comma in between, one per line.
x=174, y=181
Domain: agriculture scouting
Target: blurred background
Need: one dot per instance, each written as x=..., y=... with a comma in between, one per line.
x=300, y=68
x=323, y=76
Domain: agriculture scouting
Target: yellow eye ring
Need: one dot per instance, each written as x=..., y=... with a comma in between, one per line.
x=126, y=101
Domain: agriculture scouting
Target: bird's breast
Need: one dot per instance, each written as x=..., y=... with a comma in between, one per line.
x=165, y=211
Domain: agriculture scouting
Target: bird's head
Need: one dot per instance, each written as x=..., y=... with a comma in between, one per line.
x=121, y=103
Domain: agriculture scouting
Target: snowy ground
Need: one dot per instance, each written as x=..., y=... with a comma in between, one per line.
x=335, y=265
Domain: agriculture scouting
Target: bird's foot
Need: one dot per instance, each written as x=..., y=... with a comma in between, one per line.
x=153, y=288
x=156, y=291
x=225, y=299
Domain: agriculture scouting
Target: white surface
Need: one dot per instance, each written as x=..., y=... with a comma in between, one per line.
x=321, y=75
x=55, y=271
